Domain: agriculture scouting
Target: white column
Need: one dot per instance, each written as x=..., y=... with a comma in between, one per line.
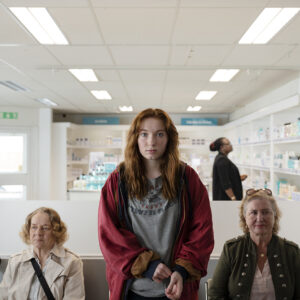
x=44, y=169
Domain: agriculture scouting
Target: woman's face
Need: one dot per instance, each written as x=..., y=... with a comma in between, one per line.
x=226, y=146
x=152, y=139
x=41, y=234
x=260, y=217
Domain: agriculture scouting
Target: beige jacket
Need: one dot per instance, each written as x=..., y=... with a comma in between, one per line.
x=64, y=275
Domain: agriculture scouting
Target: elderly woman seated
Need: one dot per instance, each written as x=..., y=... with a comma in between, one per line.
x=258, y=265
x=45, y=232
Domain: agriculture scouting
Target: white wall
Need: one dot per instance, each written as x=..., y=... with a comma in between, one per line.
x=284, y=91
x=81, y=218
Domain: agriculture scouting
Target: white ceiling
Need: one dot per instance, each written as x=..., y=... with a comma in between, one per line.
x=146, y=53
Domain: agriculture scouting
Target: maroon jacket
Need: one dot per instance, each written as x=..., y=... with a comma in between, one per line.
x=126, y=259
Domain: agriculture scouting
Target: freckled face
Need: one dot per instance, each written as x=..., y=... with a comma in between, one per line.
x=41, y=234
x=153, y=139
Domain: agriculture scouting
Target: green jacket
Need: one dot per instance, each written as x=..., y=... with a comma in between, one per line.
x=234, y=274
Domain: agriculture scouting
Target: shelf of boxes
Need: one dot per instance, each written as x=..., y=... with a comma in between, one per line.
x=270, y=145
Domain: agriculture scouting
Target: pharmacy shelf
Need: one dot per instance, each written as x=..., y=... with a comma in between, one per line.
x=271, y=125
x=193, y=147
x=295, y=139
x=253, y=167
x=262, y=143
x=94, y=147
x=287, y=171
x=77, y=162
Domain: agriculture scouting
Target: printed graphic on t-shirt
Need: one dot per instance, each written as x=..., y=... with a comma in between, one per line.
x=153, y=204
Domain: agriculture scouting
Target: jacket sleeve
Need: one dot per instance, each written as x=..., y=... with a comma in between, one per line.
x=74, y=287
x=6, y=281
x=198, y=240
x=223, y=171
x=119, y=246
x=218, y=289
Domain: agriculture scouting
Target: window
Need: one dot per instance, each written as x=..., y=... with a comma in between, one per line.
x=12, y=154
x=13, y=164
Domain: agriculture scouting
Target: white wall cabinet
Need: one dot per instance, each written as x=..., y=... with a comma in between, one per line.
x=268, y=150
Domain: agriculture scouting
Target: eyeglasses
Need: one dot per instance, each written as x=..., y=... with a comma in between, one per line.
x=251, y=192
x=226, y=144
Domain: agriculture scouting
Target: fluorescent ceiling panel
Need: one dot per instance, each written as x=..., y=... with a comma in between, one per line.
x=223, y=75
x=40, y=24
x=126, y=108
x=101, y=95
x=193, y=108
x=205, y=95
x=267, y=24
x=46, y=102
x=84, y=74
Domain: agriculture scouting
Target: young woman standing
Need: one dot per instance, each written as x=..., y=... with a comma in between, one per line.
x=155, y=226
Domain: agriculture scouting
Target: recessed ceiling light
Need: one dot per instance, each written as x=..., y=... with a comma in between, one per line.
x=267, y=24
x=84, y=74
x=126, y=108
x=195, y=108
x=46, y=102
x=101, y=95
x=40, y=24
x=205, y=95
x=224, y=75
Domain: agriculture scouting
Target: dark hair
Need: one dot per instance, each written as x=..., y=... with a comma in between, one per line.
x=216, y=145
x=134, y=169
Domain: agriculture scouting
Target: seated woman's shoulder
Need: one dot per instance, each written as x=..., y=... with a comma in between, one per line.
x=235, y=240
x=290, y=243
x=72, y=254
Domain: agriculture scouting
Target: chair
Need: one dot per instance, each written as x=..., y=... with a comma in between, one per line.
x=207, y=286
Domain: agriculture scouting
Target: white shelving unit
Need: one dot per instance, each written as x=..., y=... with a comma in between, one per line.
x=74, y=143
x=263, y=145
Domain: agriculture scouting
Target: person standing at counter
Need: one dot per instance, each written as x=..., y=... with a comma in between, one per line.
x=155, y=224
x=227, y=181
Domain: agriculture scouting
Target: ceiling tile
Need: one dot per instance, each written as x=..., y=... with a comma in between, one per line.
x=291, y=59
x=222, y=26
x=75, y=23
x=261, y=55
x=136, y=25
x=140, y=55
x=199, y=55
x=28, y=56
x=81, y=56
x=142, y=75
x=134, y=3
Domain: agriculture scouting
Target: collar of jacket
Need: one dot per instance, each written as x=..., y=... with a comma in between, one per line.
x=58, y=251
x=270, y=248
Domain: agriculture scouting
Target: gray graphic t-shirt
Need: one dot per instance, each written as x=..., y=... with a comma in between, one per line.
x=154, y=223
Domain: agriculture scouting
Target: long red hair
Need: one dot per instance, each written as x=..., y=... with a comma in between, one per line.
x=133, y=169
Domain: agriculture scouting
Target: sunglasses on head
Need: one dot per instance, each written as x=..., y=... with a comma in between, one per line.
x=250, y=192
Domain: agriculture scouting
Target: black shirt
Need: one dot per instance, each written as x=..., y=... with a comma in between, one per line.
x=226, y=175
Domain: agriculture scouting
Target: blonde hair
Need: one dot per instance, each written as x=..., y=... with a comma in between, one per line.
x=259, y=195
x=59, y=229
x=133, y=167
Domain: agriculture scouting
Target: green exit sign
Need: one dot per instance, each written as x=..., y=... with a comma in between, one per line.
x=8, y=115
